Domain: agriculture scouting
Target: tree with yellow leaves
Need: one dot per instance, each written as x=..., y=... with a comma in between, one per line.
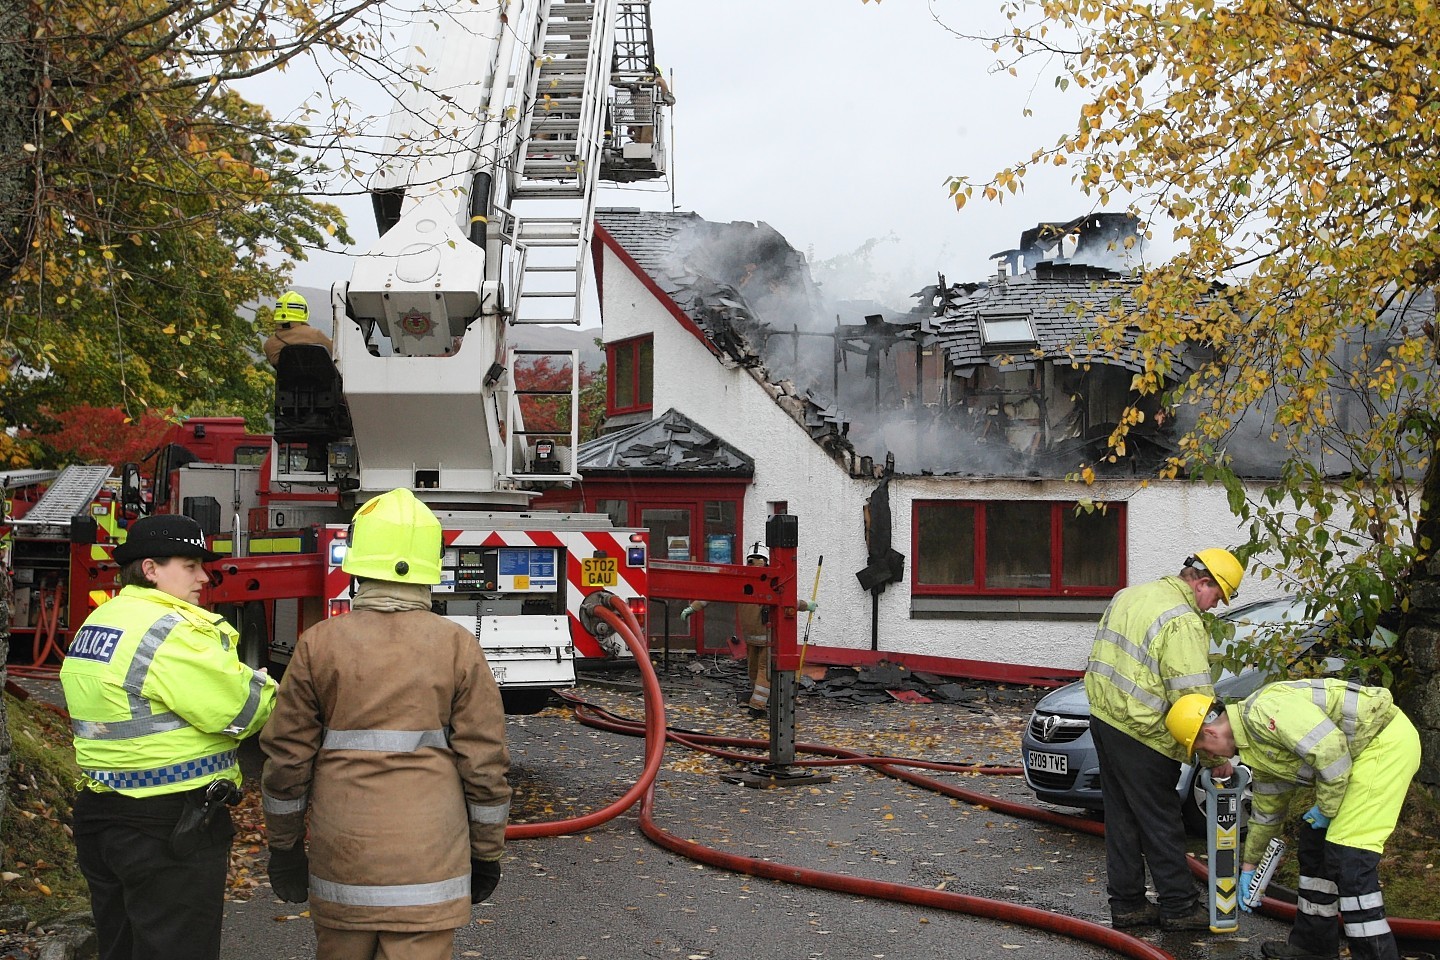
x=1292, y=152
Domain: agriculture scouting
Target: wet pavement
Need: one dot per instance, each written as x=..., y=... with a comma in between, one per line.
x=611, y=894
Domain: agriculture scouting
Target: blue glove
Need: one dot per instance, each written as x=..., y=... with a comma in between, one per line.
x=687, y=613
x=1247, y=880
x=807, y=606
x=1316, y=819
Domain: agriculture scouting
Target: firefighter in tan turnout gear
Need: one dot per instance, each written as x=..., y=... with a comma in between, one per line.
x=159, y=701
x=755, y=631
x=1152, y=648
x=390, y=732
x=292, y=327
x=1357, y=751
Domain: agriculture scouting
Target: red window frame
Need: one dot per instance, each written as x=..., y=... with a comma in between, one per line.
x=1057, y=588
x=641, y=380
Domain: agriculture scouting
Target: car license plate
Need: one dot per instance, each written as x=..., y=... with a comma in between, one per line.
x=1047, y=762
x=599, y=572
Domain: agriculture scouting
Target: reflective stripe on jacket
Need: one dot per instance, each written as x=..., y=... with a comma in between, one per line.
x=158, y=696
x=1151, y=649
x=1303, y=734
x=390, y=734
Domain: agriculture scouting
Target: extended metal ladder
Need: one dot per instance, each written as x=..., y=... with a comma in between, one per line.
x=68, y=495
x=635, y=149
x=557, y=163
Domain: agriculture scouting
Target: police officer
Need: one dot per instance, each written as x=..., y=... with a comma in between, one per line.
x=1354, y=747
x=159, y=701
x=1152, y=647
x=390, y=731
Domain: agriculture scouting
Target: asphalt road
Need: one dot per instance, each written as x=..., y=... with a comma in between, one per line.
x=611, y=894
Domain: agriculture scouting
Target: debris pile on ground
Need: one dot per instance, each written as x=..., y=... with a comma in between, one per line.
x=884, y=682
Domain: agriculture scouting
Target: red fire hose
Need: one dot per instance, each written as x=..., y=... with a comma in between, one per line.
x=654, y=748
x=44, y=645
x=656, y=736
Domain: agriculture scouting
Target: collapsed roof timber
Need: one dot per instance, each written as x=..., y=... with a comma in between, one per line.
x=991, y=378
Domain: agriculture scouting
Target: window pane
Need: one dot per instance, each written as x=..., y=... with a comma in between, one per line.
x=669, y=533
x=623, y=375
x=720, y=532
x=643, y=389
x=617, y=510
x=1090, y=548
x=946, y=547
x=1017, y=546
x=1007, y=330
x=669, y=540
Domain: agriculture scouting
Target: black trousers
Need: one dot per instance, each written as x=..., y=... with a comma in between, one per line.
x=149, y=904
x=1142, y=824
x=1336, y=880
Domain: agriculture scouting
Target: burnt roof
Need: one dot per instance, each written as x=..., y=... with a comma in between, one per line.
x=733, y=279
x=739, y=283
x=1062, y=302
x=671, y=443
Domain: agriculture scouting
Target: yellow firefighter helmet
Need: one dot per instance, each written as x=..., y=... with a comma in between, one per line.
x=1223, y=568
x=1188, y=715
x=394, y=537
x=291, y=308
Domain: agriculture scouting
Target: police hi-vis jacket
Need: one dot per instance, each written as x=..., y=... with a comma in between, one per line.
x=158, y=697
x=1151, y=649
x=1303, y=733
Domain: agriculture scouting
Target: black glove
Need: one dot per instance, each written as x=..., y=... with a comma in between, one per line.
x=290, y=873
x=484, y=877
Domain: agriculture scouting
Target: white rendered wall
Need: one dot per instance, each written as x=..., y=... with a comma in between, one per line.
x=1166, y=521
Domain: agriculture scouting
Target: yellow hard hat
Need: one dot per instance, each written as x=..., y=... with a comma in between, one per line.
x=394, y=537
x=1188, y=715
x=1223, y=568
x=291, y=308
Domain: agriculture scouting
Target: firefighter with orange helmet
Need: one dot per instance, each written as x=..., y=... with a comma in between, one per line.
x=390, y=733
x=1152, y=647
x=1358, y=751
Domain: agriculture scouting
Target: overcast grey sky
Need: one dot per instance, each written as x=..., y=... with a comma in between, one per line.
x=837, y=121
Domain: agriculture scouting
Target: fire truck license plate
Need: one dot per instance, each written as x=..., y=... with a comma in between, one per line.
x=599, y=572
x=1047, y=762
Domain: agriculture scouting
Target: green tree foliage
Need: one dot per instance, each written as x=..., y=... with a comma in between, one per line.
x=1289, y=151
x=157, y=202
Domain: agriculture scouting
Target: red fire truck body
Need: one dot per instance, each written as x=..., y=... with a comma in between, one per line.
x=526, y=583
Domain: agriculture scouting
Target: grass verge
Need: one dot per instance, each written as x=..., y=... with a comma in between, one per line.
x=39, y=871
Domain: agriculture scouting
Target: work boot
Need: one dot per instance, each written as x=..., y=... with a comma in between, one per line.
x=1284, y=949
x=1146, y=916
x=1197, y=918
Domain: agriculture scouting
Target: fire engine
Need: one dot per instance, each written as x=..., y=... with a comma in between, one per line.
x=485, y=210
